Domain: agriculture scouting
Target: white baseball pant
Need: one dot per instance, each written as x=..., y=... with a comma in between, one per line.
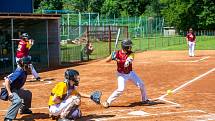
x=64, y=107
x=122, y=79
x=191, y=46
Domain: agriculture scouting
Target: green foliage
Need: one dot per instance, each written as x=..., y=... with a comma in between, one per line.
x=207, y=16
x=181, y=14
x=76, y=5
x=153, y=9
x=149, y=11
x=37, y=3
x=110, y=9
x=95, y=5
x=173, y=11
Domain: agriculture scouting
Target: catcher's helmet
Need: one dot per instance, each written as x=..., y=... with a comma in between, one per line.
x=126, y=43
x=25, y=35
x=70, y=75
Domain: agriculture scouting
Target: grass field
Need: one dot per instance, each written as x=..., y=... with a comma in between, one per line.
x=201, y=44
x=71, y=52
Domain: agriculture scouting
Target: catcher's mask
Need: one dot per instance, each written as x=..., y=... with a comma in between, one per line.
x=24, y=63
x=126, y=44
x=70, y=75
x=25, y=36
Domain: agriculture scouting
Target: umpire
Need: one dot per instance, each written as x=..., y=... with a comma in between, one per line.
x=20, y=99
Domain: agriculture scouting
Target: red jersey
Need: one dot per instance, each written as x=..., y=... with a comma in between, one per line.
x=23, y=49
x=191, y=37
x=121, y=57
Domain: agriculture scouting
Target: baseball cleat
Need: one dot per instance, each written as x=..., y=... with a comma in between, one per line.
x=7, y=119
x=38, y=79
x=25, y=111
x=148, y=102
x=105, y=104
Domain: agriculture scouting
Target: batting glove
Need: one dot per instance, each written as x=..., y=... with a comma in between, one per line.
x=113, y=55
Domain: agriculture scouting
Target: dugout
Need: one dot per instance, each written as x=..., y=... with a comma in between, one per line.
x=43, y=28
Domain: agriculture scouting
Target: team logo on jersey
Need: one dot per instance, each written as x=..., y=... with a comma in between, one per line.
x=191, y=36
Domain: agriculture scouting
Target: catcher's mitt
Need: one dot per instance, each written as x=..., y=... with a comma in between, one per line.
x=96, y=96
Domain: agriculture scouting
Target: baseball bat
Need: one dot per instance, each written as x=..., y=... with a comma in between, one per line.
x=117, y=39
x=15, y=39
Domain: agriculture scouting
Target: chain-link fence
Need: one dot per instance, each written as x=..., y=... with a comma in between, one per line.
x=103, y=39
x=137, y=26
x=95, y=42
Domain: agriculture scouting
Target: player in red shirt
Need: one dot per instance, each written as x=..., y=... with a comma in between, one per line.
x=124, y=59
x=23, y=51
x=191, y=41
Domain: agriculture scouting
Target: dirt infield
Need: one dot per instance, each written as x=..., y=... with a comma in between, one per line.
x=191, y=79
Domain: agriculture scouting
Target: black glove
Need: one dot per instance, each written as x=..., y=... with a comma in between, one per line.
x=96, y=96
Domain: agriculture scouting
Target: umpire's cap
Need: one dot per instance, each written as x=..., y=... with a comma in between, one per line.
x=126, y=43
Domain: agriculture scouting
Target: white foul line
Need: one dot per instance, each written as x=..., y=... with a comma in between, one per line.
x=191, y=61
x=34, y=85
x=203, y=58
x=187, y=83
x=146, y=115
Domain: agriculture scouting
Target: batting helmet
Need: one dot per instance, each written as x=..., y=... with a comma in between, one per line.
x=70, y=75
x=126, y=43
x=25, y=35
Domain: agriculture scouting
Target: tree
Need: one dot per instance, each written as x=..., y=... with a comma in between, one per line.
x=207, y=15
x=133, y=7
x=76, y=5
x=95, y=6
x=37, y=3
x=179, y=13
x=153, y=8
x=51, y=5
x=110, y=9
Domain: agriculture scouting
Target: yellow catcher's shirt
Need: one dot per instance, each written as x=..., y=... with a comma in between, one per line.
x=60, y=90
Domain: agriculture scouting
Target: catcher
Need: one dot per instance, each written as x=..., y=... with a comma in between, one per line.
x=124, y=59
x=65, y=100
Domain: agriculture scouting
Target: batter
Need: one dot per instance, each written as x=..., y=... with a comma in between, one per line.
x=124, y=59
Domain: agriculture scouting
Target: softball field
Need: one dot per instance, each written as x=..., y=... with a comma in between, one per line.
x=190, y=79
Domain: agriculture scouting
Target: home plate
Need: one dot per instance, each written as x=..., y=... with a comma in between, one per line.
x=138, y=113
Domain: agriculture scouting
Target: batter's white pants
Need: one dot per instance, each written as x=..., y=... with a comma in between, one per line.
x=33, y=71
x=191, y=46
x=122, y=79
x=63, y=108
